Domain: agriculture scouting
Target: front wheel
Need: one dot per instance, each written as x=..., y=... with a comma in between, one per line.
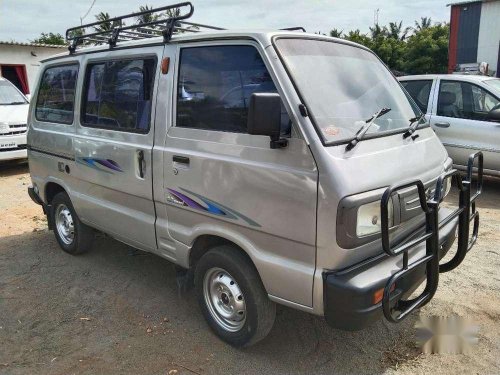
x=73, y=236
x=232, y=297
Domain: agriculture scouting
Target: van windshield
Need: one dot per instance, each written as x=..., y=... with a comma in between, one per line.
x=343, y=86
x=9, y=94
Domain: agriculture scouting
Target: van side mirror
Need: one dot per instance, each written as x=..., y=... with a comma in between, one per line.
x=494, y=115
x=264, y=117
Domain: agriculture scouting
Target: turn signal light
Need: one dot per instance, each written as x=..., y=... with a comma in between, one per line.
x=379, y=294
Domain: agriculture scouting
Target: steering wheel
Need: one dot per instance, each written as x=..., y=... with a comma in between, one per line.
x=495, y=107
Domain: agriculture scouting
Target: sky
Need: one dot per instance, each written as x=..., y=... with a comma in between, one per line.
x=24, y=20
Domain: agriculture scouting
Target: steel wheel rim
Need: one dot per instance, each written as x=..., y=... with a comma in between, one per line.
x=224, y=299
x=65, y=224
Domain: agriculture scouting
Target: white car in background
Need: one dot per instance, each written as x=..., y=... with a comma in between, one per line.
x=13, y=117
x=464, y=111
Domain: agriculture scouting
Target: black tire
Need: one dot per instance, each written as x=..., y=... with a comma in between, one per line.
x=260, y=310
x=83, y=235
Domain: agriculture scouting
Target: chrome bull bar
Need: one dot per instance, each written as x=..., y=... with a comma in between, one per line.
x=395, y=311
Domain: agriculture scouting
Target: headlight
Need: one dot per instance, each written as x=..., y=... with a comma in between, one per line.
x=369, y=219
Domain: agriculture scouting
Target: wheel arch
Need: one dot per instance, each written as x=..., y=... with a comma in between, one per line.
x=205, y=242
x=52, y=189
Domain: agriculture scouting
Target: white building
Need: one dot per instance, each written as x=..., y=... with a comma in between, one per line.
x=19, y=62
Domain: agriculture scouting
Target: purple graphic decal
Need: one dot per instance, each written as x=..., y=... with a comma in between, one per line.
x=97, y=164
x=211, y=206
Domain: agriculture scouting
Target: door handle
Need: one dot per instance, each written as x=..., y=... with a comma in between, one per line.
x=442, y=124
x=141, y=163
x=180, y=159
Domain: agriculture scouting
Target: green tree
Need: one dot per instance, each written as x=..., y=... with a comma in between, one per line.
x=50, y=38
x=336, y=33
x=106, y=25
x=396, y=31
x=148, y=17
x=357, y=37
x=425, y=23
x=427, y=50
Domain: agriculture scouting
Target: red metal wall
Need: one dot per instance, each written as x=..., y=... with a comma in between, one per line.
x=453, y=44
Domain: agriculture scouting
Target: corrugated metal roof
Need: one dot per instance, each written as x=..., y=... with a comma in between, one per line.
x=470, y=2
x=12, y=43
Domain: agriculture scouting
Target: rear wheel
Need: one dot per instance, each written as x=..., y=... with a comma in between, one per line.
x=232, y=297
x=73, y=236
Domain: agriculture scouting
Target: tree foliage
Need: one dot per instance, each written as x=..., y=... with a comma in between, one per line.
x=414, y=50
x=50, y=38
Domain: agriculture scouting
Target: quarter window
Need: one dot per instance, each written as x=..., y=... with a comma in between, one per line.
x=56, y=95
x=483, y=102
x=118, y=95
x=215, y=85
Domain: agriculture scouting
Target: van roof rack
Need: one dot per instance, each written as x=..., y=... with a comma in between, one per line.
x=163, y=21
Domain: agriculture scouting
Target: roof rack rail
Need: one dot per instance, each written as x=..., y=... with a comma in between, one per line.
x=165, y=21
x=298, y=28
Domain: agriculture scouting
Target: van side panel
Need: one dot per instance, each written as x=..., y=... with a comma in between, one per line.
x=234, y=186
x=112, y=195
x=50, y=145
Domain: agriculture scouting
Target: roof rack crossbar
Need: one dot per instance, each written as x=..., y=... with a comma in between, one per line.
x=114, y=26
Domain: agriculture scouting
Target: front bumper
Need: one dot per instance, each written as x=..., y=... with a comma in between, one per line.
x=361, y=294
x=349, y=294
x=13, y=147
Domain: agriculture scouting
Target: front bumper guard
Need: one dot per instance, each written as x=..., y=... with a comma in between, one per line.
x=394, y=309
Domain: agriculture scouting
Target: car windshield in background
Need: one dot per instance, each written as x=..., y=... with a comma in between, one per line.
x=495, y=83
x=343, y=86
x=9, y=94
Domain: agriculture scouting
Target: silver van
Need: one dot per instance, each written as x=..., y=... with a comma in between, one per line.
x=270, y=167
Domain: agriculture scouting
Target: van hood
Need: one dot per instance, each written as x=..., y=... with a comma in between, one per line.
x=14, y=114
x=379, y=163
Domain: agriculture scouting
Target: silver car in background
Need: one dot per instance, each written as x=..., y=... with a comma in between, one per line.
x=464, y=111
x=270, y=167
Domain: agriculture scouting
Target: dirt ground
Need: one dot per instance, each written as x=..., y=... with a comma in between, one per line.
x=116, y=310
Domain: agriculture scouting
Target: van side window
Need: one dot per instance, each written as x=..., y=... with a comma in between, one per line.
x=56, y=95
x=118, y=95
x=419, y=91
x=215, y=85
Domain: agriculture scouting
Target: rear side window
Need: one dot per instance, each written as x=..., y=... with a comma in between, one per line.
x=56, y=95
x=215, y=85
x=118, y=95
x=419, y=91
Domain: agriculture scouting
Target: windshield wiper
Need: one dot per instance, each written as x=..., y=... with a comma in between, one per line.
x=414, y=123
x=362, y=131
x=15, y=103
